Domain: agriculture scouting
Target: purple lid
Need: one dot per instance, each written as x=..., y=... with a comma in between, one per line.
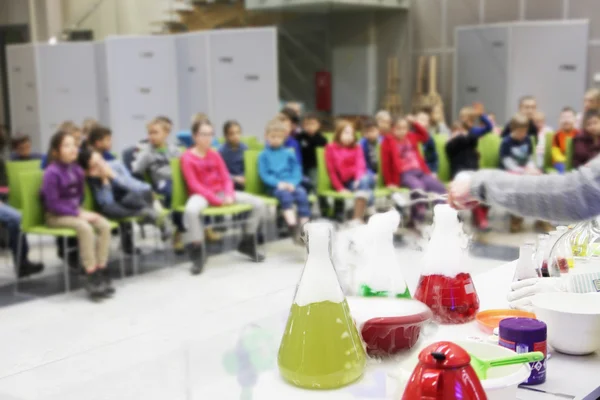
x=523, y=330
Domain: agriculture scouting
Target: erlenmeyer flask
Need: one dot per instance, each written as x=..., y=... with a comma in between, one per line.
x=525, y=267
x=580, y=241
x=539, y=260
x=563, y=252
x=379, y=274
x=321, y=347
x=445, y=285
x=550, y=268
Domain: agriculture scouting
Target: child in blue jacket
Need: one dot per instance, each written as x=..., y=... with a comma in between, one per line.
x=280, y=171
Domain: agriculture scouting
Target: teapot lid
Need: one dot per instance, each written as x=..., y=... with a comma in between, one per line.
x=444, y=355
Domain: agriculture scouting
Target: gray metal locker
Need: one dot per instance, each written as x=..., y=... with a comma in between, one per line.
x=67, y=85
x=244, y=78
x=193, y=74
x=499, y=63
x=142, y=84
x=481, y=69
x=102, y=84
x=22, y=82
x=556, y=55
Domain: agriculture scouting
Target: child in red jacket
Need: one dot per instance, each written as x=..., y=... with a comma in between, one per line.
x=403, y=165
x=347, y=169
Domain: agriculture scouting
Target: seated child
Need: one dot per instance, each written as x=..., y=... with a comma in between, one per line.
x=293, y=113
x=310, y=139
x=87, y=126
x=496, y=129
x=62, y=193
x=154, y=160
x=369, y=144
x=100, y=140
x=384, y=122
x=209, y=184
x=347, y=169
x=539, y=119
x=287, y=116
x=587, y=145
x=232, y=152
x=463, y=155
x=73, y=130
x=516, y=156
x=403, y=165
x=199, y=117
x=429, y=150
x=116, y=200
x=281, y=173
x=10, y=219
x=566, y=130
x=21, y=149
x=591, y=102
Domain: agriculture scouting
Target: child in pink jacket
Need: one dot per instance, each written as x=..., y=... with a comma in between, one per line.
x=209, y=184
x=347, y=169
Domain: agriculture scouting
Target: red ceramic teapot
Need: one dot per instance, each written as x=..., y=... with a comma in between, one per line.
x=444, y=372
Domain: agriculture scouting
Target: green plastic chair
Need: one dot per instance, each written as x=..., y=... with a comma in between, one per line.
x=324, y=187
x=489, y=151
x=328, y=136
x=443, y=163
x=548, y=168
x=179, y=196
x=32, y=219
x=254, y=184
x=14, y=169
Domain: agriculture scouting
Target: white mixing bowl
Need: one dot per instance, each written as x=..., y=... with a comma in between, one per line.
x=502, y=382
x=573, y=321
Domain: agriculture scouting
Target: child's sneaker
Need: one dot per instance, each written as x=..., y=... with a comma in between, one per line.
x=109, y=290
x=212, y=235
x=296, y=235
x=178, y=245
x=197, y=257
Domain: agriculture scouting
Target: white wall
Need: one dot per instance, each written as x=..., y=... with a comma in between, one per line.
x=14, y=12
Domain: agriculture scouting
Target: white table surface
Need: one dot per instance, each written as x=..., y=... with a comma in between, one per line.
x=191, y=358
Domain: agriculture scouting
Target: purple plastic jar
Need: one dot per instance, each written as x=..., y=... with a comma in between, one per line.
x=523, y=335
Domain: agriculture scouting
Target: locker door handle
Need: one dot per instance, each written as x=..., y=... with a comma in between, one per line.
x=17, y=69
x=30, y=85
x=145, y=90
x=226, y=60
x=497, y=44
x=63, y=90
x=472, y=89
x=29, y=108
x=568, y=67
x=252, y=77
x=146, y=54
x=139, y=117
x=191, y=69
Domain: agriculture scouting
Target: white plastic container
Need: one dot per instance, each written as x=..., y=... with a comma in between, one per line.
x=502, y=382
x=573, y=320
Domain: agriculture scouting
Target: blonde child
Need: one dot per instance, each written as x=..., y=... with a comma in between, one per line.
x=384, y=121
x=62, y=192
x=209, y=184
x=347, y=169
x=566, y=130
x=281, y=173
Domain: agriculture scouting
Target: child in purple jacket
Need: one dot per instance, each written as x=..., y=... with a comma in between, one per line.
x=62, y=195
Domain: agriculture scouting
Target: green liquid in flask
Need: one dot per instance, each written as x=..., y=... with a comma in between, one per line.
x=366, y=291
x=321, y=347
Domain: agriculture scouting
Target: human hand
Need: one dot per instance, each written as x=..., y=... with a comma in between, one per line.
x=344, y=191
x=478, y=108
x=239, y=179
x=392, y=186
x=410, y=119
x=282, y=185
x=523, y=291
x=89, y=216
x=228, y=200
x=290, y=187
x=459, y=193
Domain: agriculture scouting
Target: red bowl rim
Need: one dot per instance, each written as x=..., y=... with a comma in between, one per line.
x=401, y=320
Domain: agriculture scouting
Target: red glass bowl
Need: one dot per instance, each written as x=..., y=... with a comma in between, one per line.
x=388, y=325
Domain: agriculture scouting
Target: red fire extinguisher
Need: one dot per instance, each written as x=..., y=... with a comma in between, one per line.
x=323, y=91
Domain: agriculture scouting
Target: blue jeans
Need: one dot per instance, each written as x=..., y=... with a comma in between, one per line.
x=125, y=177
x=288, y=199
x=365, y=187
x=10, y=219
